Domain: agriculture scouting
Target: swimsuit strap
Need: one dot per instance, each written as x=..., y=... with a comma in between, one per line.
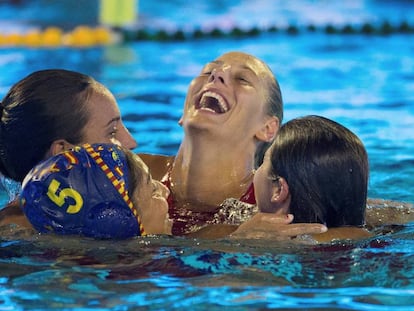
x=248, y=196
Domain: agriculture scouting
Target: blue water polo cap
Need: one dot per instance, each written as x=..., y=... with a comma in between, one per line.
x=83, y=191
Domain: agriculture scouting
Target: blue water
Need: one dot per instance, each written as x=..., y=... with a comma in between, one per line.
x=364, y=82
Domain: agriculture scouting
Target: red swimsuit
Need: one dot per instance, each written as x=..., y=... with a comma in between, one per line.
x=186, y=221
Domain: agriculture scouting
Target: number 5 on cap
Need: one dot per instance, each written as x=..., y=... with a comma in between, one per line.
x=59, y=198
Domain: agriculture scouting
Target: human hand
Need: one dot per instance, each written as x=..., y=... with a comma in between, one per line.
x=275, y=227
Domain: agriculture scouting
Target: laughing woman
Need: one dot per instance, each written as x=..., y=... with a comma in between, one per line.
x=232, y=111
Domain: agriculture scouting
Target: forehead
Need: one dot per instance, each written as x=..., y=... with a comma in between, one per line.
x=101, y=102
x=244, y=61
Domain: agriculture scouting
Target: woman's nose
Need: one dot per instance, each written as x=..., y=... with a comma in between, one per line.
x=126, y=139
x=219, y=74
x=216, y=76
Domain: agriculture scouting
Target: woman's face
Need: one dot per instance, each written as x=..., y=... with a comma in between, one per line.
x=229, y=97
x=263, y=185
x=105, y=124
x=151, y=201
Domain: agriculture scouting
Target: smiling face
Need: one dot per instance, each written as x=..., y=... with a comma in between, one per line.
x=229, y=97
x=105, y=124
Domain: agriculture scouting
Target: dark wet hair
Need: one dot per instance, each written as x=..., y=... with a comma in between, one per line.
x=274, y=108
x=44, y=106
x=326, y=168
x=275, y=101
x=135, y=169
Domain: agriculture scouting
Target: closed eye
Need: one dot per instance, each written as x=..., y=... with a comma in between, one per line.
x=208, y=69
x=243, y=79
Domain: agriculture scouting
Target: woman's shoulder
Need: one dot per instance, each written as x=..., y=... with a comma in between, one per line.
x=157, y=163
x=342, y=233
x=381, y=212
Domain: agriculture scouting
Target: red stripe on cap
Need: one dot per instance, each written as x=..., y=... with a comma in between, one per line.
x=118, y=184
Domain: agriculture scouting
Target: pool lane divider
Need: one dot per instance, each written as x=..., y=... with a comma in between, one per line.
x=384, y=29
x=85, y=36
x=80, y=36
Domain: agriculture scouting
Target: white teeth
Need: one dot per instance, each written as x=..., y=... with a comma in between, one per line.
x=220, y=100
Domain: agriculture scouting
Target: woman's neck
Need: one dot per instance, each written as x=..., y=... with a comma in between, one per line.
x=204, y=174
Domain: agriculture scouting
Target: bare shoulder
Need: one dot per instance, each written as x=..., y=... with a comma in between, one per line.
x=157, y=163
x=385, y=212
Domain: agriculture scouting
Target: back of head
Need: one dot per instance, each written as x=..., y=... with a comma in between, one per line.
x=326, y=168
x=85, y=191
x=44, y=106
x=274, y=106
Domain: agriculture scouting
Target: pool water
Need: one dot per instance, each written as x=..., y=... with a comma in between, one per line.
x=365, y=82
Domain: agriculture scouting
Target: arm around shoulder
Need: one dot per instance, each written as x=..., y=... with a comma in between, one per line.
x=342, y=233
x=13, y=214
x=385, y=212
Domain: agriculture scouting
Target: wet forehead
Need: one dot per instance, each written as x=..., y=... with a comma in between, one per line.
x=243, y=61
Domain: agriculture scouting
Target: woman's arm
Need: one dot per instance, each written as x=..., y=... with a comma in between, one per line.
x=13, y=214
x=385, y=212
x=275, y=227
x=261, y=226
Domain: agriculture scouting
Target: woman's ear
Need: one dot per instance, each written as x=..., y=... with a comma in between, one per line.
x=281, y=196
x=59, y=146
x=280, y=190
x=269, y=130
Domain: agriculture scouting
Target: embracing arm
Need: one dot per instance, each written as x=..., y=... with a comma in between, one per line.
x=342, y=233
x=271, y=226
x=385, y=212
x=279, y=228
x=275, y=227
x=261, y=226
x=13, y=214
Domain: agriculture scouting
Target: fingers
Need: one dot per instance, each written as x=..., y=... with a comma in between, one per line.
x=293, y=230
x=271, y=226
x=272, y=219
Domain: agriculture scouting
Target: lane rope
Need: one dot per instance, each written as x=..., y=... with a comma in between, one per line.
x=85, y=36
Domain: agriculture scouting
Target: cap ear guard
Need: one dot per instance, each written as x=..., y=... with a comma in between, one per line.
x=109, y=220
x=82, y=192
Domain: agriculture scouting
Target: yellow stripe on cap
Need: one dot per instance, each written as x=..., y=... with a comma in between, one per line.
x=119, y=185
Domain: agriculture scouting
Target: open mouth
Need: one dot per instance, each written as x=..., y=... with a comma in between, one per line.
x=213, y=102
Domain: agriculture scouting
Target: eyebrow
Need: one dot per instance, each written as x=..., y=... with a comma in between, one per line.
x=116, y=119
x=243, y=67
